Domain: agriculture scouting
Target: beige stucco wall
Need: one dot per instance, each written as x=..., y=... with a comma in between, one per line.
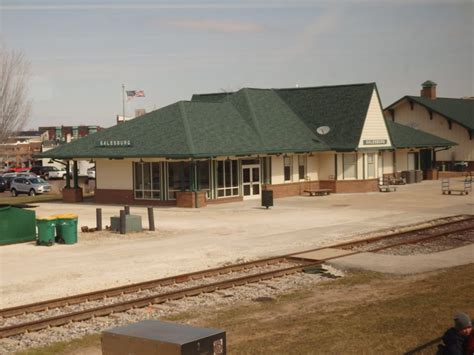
x=325, y=165
x=312, y=167
x=386, y=163
x=401, y=160
x=374, y=125
x=114, y=174
x=277, y=170
x=419, y=118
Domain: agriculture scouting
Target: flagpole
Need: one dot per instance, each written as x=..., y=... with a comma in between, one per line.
x=123, y=101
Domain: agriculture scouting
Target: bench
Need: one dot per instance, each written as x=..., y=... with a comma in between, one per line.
x=385, y=185
x=318, y=192
x=387, y=188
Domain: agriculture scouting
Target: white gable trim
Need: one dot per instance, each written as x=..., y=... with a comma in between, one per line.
x=375, y=133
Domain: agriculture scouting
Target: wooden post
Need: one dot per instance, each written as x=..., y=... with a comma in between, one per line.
x=122, y=222
x=127, y=209
x=151, y=219
x=98, y=217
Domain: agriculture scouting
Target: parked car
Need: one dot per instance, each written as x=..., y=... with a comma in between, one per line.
x=42, y=170
x=56, y=173
x=8, y=177
x=29, y=185
x=91, y=173
x=3, y=184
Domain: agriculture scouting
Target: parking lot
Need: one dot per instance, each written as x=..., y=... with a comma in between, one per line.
x=191, y=239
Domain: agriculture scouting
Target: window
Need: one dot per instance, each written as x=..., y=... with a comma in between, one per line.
x=147, y=181
x=203, y=176
x=287, y=162
x=370, y=165
x=350, y=165
x=301, y=167
x=227, y=178
x=178, y=178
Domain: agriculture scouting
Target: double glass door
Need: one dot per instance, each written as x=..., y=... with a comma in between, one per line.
x=251, y=180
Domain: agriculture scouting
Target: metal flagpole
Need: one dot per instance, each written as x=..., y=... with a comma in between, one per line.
x=123, y=101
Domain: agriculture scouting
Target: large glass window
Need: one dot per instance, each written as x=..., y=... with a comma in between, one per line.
x=287, y=167
x=227, y=178
x=350, y=166
x=147, y=181
x=178, y=178
x=203, y=176
x=370, y=165
x=302, y=167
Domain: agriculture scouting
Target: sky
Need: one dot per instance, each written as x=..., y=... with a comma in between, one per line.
x=82, y=51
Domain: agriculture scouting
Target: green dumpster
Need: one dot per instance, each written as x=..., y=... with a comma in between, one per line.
x=17, y=225
x=46, y=230
x=66, y=228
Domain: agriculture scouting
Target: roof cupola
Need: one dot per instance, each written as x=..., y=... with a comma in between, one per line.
x=428, y=90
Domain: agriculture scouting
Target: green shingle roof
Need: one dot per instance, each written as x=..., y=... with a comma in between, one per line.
x=460, y=111
x=342, y=108
x=247, y=122
x=250, y=123
x=407, y=137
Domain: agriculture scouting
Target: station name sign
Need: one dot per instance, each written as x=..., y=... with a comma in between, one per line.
x=374, y=141
x=114, y=143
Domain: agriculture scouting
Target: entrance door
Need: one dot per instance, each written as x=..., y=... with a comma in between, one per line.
x=251, y=181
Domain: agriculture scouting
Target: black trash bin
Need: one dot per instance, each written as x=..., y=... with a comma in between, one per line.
x=409, y=176
x=267, y=198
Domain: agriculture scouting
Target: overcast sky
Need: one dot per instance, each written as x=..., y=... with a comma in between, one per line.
x=81, y=51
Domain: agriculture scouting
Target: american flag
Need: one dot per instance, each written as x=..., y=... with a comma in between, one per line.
x=135, y=93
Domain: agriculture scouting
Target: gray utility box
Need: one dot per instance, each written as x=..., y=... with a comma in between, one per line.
x=133, y=223
x=163, y=338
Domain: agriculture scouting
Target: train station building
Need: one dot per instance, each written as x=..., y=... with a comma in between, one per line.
x=230, y=146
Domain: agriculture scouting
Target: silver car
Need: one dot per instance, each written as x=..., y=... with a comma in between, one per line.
x=29, y=185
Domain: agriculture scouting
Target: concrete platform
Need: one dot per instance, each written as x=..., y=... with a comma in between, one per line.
x=188, y=240
x=407, y=264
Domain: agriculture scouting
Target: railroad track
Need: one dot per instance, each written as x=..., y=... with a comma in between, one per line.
x=239, y=275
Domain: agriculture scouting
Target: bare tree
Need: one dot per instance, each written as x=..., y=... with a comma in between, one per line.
x=14, y=102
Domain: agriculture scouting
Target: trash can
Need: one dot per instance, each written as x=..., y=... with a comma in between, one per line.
x=46, y=230
x=66, y=228
x=267, y=198
x=409, y=176
x=418, y=175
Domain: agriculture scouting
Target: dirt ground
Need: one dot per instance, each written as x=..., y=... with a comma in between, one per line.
x=364, y=312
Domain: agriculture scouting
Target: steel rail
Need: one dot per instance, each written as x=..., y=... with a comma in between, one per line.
x=147, y=301
x=135, y=287
x=423, y=239
x=120, y=290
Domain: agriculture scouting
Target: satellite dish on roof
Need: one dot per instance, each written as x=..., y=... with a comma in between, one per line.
x=323, y=130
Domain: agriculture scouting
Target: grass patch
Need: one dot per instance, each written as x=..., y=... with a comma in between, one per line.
x=24, y=200
x=365, y=312
x=69, y=347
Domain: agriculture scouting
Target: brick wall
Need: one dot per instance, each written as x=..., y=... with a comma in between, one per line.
x=187, y=199
x=125, y=197
x=344, y=186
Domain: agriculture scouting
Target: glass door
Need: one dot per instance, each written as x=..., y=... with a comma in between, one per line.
x=251, y=181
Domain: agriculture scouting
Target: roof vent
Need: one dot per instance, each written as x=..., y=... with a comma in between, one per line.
x=323, y=130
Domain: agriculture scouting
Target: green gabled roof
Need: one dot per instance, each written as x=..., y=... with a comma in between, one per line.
x=247, y=124
x=407, y=137
x=460, y=111
x=342, y=108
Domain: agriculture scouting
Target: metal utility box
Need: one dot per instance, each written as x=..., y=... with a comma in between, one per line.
x=163, y=338
x=133, y=223
x=267, y=198
x=16, y=225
